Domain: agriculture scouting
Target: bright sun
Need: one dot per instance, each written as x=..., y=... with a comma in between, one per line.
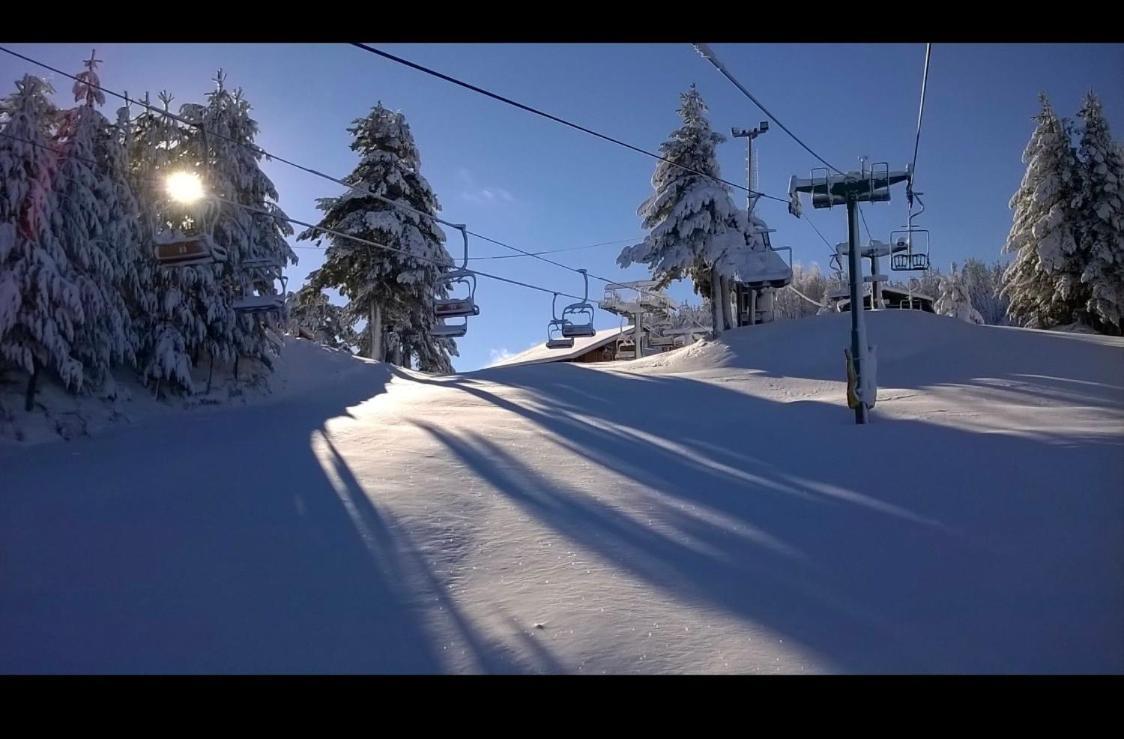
x=184, y=187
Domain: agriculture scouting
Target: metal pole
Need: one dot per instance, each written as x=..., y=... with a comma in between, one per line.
x=749, y=209
x=858, y=334
x=749, y=172
x=750, y=295
x=875, y=287
x=636, y=332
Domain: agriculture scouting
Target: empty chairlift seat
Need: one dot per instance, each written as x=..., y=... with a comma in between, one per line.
x=555, y=338
x=577, y=318
x=260, y=269
x=461, y=305
x=910, y=250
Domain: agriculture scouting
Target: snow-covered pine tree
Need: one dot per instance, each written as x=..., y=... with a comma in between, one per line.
x=176, y=328
x=954, y=301
x=928, y=283
x=382, y=286
x=101, y=252
x=1100, y=225
x=1043, y=280
x=312, y=316
x=982, y=284
x=233, y=174
x=693, y=225
x=40, y=304
x=124, y=226
x=690, y=316
x=808, y=280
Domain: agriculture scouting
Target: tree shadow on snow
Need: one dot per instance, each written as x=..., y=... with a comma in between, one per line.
x=789, y=516
x=225, y=546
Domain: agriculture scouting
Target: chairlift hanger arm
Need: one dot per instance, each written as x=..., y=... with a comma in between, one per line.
x=463, y=228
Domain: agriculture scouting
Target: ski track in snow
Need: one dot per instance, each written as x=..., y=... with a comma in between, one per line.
x=713, y=509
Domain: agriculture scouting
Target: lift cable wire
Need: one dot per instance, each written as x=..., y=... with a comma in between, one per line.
x=274, y=216
x=920, y=113
x=556, y=119
x=707, y=53
x=309, y=170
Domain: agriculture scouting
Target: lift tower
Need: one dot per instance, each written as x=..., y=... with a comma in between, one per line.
x=850, y=189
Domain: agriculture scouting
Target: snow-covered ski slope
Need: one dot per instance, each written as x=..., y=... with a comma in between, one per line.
x=714, y=509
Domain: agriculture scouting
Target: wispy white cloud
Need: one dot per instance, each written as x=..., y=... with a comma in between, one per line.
x=499, y=355
x=473, y=192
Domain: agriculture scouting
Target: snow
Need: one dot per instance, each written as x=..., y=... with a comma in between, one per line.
x=620, y=518
x=303, y=368
x=582, y=344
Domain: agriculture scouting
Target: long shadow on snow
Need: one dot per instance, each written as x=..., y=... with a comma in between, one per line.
x=403, y=566
x=816, y=528
x=170, y=556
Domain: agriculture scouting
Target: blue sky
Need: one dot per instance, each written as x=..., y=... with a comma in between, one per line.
x=538, y=185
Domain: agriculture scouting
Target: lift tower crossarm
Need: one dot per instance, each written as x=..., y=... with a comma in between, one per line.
x=835, y=189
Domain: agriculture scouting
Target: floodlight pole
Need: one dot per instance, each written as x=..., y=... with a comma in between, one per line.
x=750, y=198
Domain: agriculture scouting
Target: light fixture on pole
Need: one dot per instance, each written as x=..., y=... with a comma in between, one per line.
x=743, y=296
x=749, y=135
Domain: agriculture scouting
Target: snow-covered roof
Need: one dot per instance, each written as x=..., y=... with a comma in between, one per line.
x=538, y=353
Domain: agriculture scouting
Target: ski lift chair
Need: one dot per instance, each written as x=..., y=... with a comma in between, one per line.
x=909, y=250
x=626, y=349
x=772, y=271
x=191, y=243
x=269, y=303
x=443, y=330
x=461, y=306
x=577, y=318
x=555, y=338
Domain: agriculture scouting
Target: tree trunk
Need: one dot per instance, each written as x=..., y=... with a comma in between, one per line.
x=638, y=335
x=766, y=304
x=29, y=399
x=715, y=306
x=375, y=329
x=727, y=317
